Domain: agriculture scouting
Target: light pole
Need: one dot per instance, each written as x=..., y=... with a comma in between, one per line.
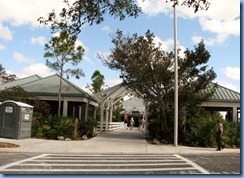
x=176, y=81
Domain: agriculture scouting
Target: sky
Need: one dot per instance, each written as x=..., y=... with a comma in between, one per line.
x=22, y=38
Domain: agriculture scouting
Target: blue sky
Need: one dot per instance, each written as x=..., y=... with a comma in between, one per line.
x=22, y=39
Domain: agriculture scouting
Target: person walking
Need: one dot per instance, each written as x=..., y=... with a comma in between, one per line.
x=131, y=123
x=219, y=135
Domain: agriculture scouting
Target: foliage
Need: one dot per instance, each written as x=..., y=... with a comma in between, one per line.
x=81, y=12
x=53, y=126
x=199, y=129
x=97, y=81
x=196, y=4
x=41, y=108
x=138, y=56
x=87, y=127
x=6, y=77
x=154, y=128
x=232, y=132
x=63, y=51
x=17, y=94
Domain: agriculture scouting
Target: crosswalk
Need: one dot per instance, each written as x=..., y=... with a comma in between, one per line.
x=104, y=164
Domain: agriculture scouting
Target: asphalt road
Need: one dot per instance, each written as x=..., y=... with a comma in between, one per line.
x=218, y=164
x=228, y=164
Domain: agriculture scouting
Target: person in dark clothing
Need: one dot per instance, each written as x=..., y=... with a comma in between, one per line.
x=219, y=135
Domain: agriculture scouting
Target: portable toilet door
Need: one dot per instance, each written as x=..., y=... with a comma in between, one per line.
x=15, y=119
x=8, y=120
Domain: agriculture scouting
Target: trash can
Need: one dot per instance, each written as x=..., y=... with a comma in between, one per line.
x=15, y=119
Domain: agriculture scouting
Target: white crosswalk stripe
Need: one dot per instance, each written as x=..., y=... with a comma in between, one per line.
x=103, y=164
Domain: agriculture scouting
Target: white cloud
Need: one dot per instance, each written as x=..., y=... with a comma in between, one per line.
x=112, y=82
x=107, y=30
x=5, y=33
x=165, y=45
x=14, y=12
x=154, y=7
x=38, y=40
x=88, y=59
x=21, y=58
x=232, y=72
x=80, y=43
x=207, y=41
x=37, y=68
x=168, y=45
x=228, y=85
x=227, y=27
x=2, y=47
x=222, y=18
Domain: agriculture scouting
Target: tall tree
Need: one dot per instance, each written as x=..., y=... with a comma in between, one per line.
x=97, y=81
x=148, y=70
x=62, y=51
x=74, y=16
x=6, y=77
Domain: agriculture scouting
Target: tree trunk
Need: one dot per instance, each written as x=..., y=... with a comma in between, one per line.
x=59, y=96
x=60, y=91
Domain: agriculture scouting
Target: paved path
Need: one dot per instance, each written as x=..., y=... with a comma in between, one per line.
x=119, y=141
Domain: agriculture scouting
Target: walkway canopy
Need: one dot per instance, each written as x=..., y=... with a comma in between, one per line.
x=223, y=99
x=107, y=99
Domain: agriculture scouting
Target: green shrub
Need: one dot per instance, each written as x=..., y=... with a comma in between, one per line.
x=51, y=127
x=197, y=129
x=200, y=132
x=154, y=128
x=231, y=135
x=36, y=129
x=87, y=127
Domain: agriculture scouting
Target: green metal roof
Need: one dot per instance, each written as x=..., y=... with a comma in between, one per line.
x=224, y=94
x=49, y=86
x=19, y=82
x=133, y=102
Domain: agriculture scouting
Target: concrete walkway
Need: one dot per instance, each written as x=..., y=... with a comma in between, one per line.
x=118, y=141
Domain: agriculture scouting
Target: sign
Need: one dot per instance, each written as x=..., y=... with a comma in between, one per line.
x=9, y=109
x=27, y=117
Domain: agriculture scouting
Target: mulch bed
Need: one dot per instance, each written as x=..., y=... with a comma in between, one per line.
x=8, y=145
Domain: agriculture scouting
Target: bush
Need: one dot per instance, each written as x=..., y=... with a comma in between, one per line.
x=197, y=129
x=53, y=126
x=231, y=135
x=87, y=127
x=201, y=132
x=154, y=128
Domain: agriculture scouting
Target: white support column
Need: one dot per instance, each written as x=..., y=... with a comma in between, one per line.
x=65, y=107
x=101, y=115
x=87, y=110
x=111, y=111
x=79, y=112
x=106, y=116
x=234, y=114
